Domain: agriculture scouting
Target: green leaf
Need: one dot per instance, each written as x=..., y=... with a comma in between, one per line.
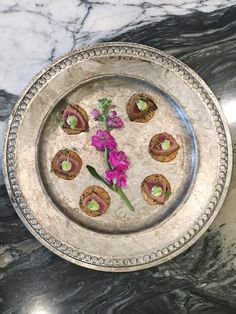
x=94, y=173
x=125, y=199
x=167, y=194
x=60, y=120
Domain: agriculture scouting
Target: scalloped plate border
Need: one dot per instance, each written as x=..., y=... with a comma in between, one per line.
x=153, y=258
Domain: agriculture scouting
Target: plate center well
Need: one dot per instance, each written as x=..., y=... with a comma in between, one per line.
x=133, y=139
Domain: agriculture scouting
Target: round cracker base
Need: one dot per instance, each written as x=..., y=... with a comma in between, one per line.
x=162, y=158
x=101, y=193
x=69, y=153
x=154, y=177
x=77, y=131
x=129, y=105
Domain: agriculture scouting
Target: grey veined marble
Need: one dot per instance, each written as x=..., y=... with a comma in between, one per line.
x=203, y=279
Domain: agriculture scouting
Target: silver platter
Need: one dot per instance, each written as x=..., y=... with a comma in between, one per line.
x=119, y=240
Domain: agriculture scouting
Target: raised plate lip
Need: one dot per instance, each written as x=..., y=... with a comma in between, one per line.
x=188, y=243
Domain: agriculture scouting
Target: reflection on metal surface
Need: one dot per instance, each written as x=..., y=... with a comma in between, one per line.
x=40, y=311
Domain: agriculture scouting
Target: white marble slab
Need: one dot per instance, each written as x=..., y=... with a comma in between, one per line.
x=33, y=33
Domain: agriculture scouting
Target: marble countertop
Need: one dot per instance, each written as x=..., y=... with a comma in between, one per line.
x=201, y=33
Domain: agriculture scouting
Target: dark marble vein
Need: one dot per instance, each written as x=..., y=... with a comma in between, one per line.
x=7, y=101
x=179, y=286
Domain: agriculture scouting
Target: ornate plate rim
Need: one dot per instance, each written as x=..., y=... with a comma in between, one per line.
x=203, y=91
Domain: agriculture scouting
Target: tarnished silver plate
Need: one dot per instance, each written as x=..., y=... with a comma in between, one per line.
x=119, y=240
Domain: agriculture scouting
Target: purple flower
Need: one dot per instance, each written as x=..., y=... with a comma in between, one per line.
x=118, y=160
x=117, y=177
x=114, y=121
x=102, y=140
x=112, y=113
x=95, y=113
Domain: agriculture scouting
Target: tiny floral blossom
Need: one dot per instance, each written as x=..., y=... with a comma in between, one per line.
x=103, y=139
x=112, y=114
x=116, y=177
x=95, y=113
x=114, y=121
x=118, y=160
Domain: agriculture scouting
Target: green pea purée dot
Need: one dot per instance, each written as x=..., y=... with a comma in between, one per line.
x=156, y=190
x=72, y=121
x=66, y=165
x=165, y=145
x=93, y=205
x=142, y=105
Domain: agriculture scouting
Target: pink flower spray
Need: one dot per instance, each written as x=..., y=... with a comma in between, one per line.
x=116, y=161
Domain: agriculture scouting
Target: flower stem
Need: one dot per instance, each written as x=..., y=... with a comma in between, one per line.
x=106, y=159
x=106, y=150
x=105, y=122
x=125, y=199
